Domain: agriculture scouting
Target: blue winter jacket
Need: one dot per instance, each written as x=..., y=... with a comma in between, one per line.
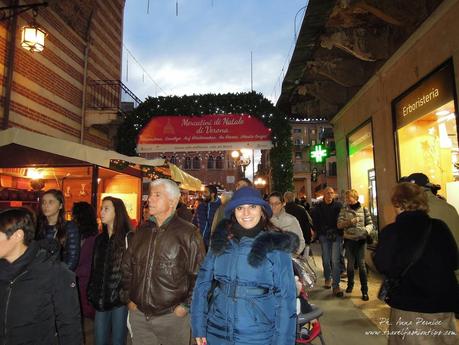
x=253, y=301
x=204, y=216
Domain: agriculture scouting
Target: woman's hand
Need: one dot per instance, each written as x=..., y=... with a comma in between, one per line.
x=180, y=311
x=132, y=306
x=201, y=341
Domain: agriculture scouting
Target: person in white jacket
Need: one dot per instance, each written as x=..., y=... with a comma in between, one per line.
x=283, y=220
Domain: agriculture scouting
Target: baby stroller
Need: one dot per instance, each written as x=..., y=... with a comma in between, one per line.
x=308, y=325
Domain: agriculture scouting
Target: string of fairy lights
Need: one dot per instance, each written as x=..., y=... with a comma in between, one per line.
x=130, y=57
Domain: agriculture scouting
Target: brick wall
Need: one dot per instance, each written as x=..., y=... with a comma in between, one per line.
x=47, y=87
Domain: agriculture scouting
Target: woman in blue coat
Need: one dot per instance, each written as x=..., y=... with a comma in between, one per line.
x=245, y=290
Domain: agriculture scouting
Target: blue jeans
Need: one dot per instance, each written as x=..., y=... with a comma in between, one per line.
x=331, y=253
x=115, y=321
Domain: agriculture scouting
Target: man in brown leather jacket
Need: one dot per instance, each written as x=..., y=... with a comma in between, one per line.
x=159, y=271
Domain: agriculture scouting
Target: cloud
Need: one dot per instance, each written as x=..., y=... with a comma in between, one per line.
x=200, y=75
x=207, y=49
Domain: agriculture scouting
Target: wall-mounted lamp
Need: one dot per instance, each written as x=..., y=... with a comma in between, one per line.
x=33, y=36
x=31, y=40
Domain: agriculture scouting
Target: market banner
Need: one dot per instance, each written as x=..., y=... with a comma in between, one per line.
x=203, y=133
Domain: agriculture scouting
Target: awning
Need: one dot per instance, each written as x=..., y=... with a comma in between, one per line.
x=20, y=147
x=186, y=180
x=67, y=149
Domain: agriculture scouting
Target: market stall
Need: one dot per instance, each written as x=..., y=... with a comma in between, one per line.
x=31, y=163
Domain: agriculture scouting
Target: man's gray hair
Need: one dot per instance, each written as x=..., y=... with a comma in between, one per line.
x=170, y=186
x=289, y=196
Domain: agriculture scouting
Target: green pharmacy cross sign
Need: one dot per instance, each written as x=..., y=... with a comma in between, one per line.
x=318, y=153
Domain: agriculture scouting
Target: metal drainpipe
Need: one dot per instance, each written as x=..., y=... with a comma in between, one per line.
x=85, y=78
x=12, y=28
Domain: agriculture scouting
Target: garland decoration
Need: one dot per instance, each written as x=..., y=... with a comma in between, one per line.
x=231, y=103
x=120, y=165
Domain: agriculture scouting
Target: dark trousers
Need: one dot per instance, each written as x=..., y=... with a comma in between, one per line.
x=355, y=255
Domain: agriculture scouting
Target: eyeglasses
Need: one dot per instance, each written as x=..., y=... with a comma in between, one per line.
x=277, y=203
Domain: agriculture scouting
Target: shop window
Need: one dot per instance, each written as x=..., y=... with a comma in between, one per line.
x=426, y=130
x=219, y=162
x=196, y=163
x=298, y=142
x=187, y=163
x=361, y=164
x=298, y=155
x=210, y=163
x=297, y=130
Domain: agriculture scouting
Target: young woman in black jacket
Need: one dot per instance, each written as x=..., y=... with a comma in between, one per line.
x=105, y=282
x=52, y=225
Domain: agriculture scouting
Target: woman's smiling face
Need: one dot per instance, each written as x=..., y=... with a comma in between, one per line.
x=248, y=215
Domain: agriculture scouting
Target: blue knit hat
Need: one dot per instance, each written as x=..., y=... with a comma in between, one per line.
x=246, y=196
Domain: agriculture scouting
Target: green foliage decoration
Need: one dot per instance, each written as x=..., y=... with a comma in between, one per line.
x=251, y=103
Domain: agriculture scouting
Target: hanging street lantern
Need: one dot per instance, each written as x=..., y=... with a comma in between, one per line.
x=33, y=38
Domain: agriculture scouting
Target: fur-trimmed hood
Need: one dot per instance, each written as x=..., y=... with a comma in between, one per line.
x=265, y=242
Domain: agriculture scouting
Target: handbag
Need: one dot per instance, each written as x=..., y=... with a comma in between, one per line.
x=389, y=285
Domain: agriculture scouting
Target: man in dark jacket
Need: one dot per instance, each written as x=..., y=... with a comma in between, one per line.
x=299, y=212
x=38, y=295
x=325, y=218
x=159, y=271
x=205, y=212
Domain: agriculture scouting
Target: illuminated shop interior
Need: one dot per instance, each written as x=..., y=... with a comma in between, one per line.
x=361, y=166
x=429, y=144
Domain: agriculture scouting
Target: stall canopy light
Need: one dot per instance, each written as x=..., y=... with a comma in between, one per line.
x=34, y=174
x=33, y=38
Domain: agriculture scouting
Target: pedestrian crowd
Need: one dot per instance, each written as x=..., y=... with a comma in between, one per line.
x=223, y=275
